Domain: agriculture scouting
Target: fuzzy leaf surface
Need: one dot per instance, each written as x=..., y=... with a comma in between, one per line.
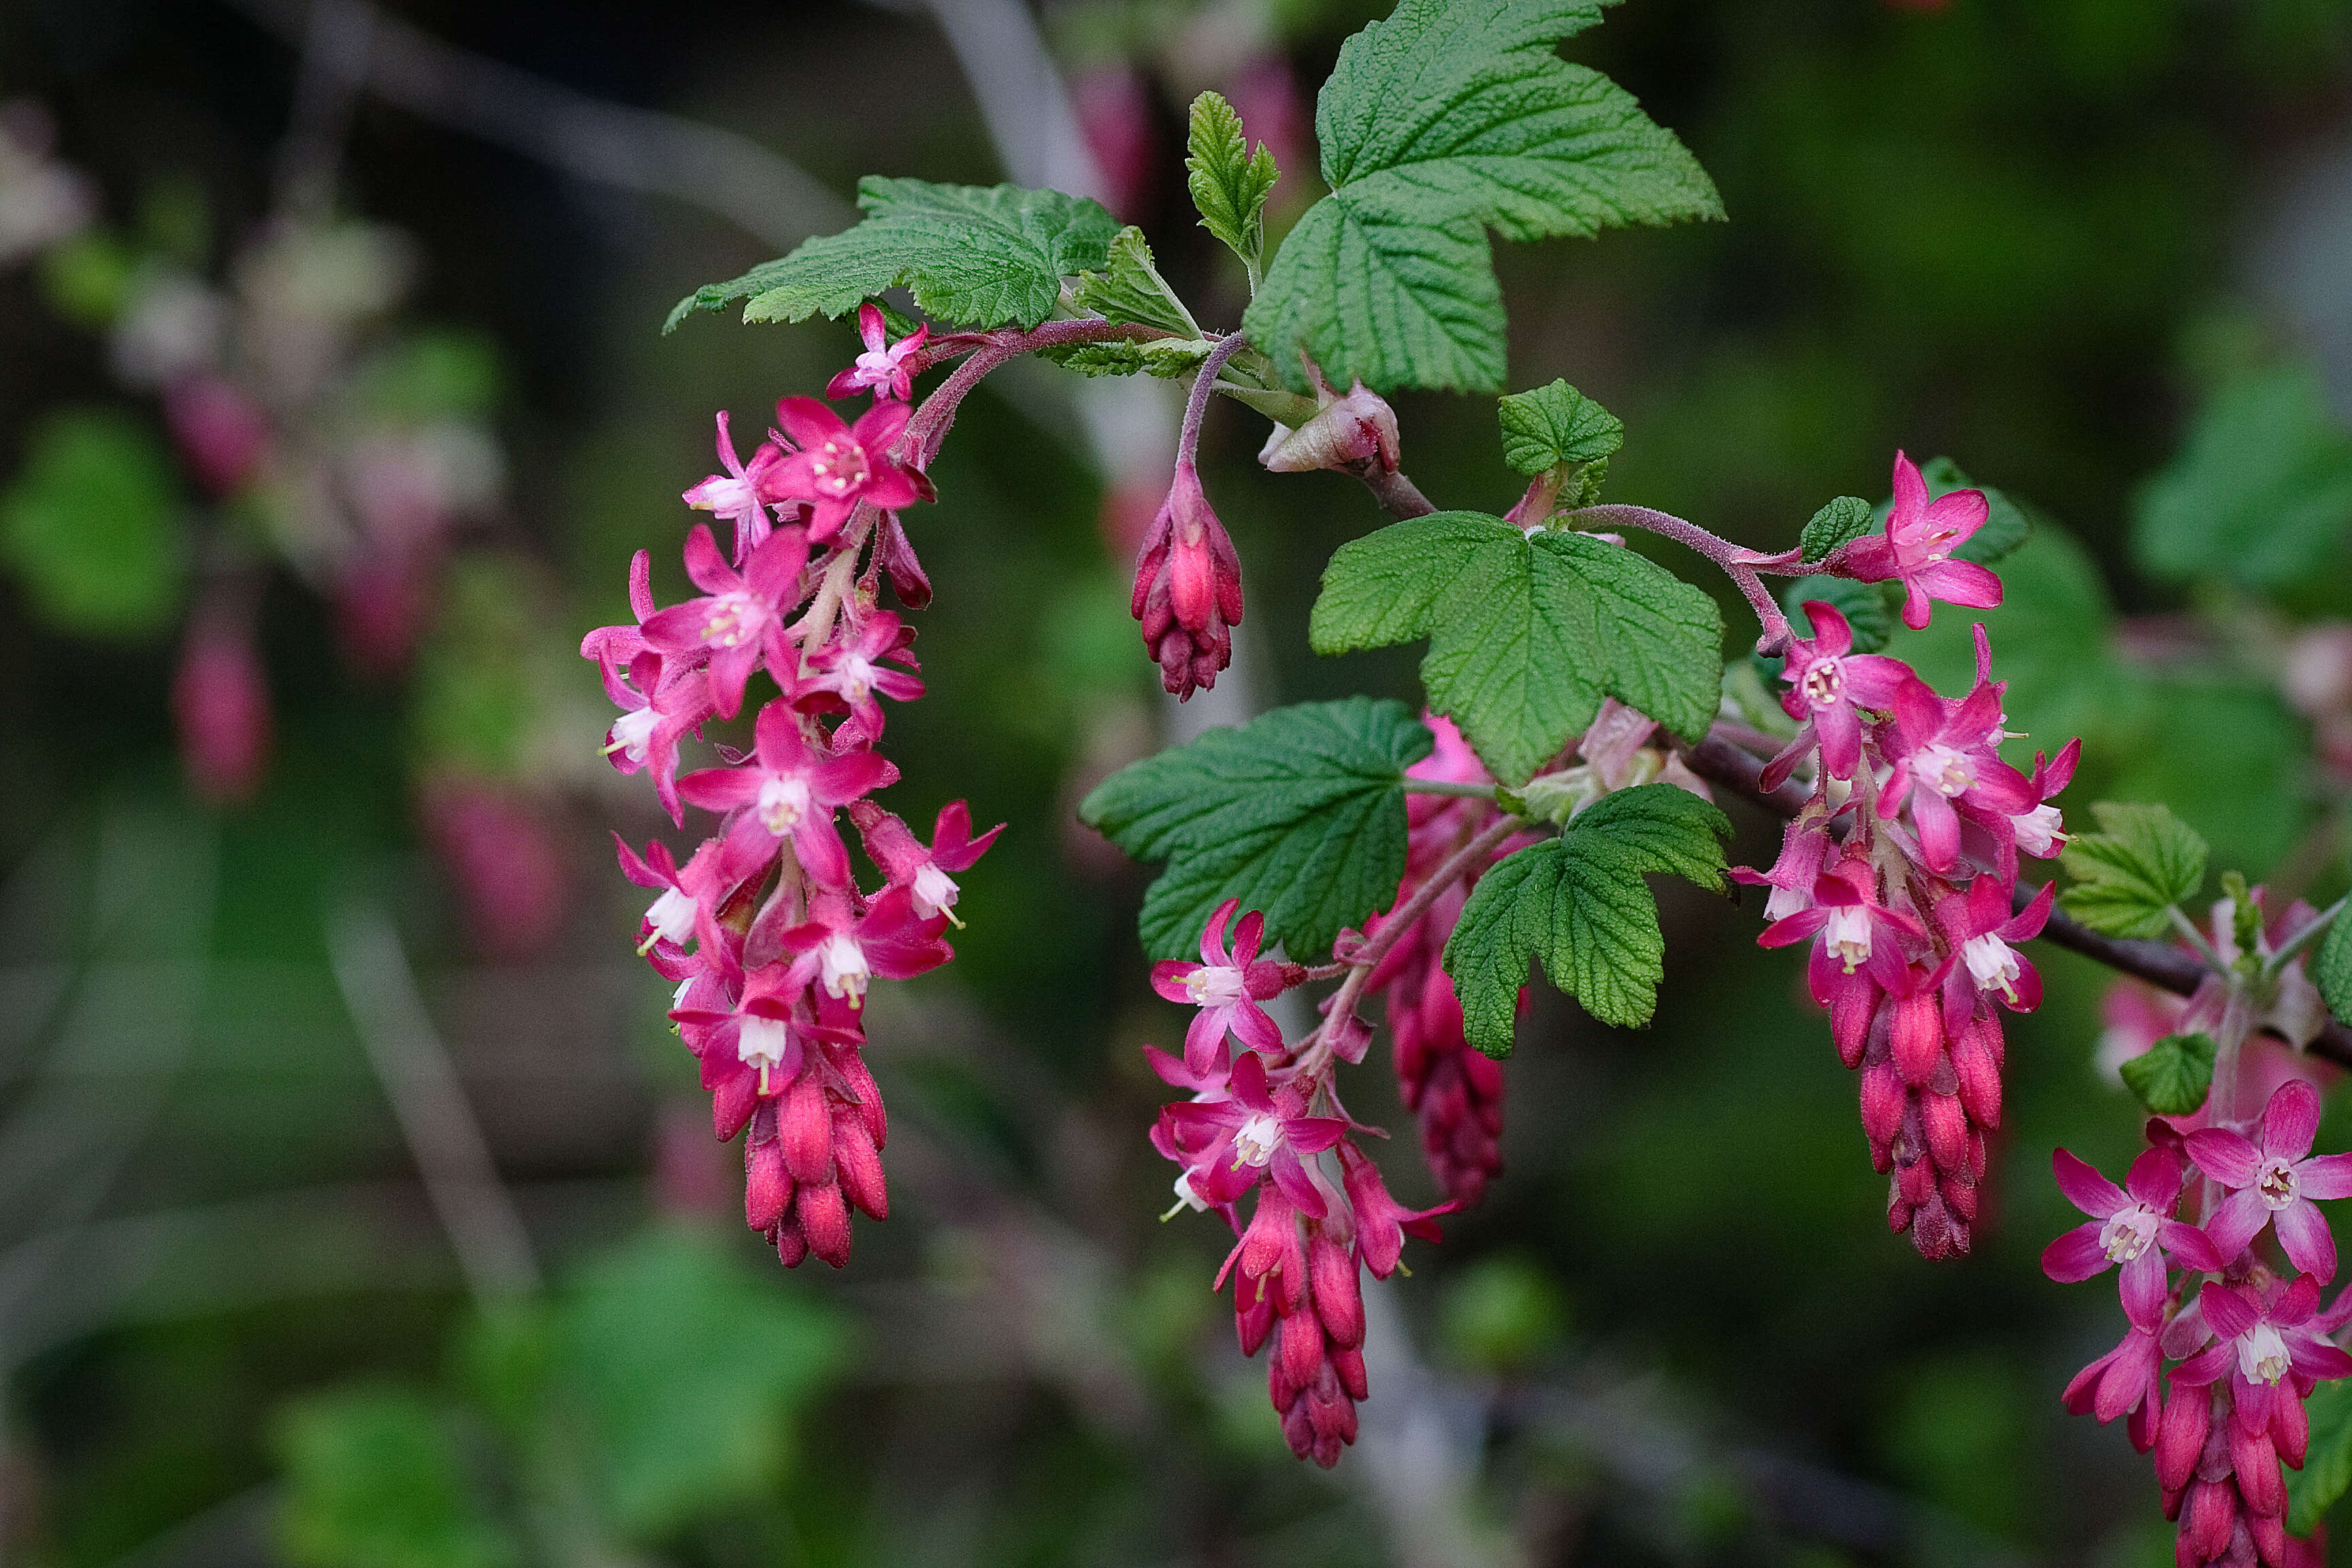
x=1298, y=813
x=2173, y=1076
x=1846, y=518
x=1130, y=289
x=1555, y=424
x=1578, y=902
x=2331, y=969
x=1228, y=182
x=976, y=256
x=2130, y=875
x=1526, y=634
x=1446, y=120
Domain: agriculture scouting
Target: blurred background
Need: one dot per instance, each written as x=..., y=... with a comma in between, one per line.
x=357, y=1207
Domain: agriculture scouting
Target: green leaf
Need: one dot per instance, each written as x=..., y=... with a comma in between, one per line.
x=2262, y=491
x=2006, y=524
x=2327, y=1470
x=1169, y=359
x=977, y=255
x=375, y=1480
x=1299, y=813
x=690, y=1367
x=2130, y=874
x=1450, y=117
x=1839, y=521
x=2174, y=1075
x=1526, y=634
x=1228, y=182
x=2331, y=971
x=1554, y=424
x=1864, y=608
x=1131, y=290
x=89, y=523
x=1579, y=903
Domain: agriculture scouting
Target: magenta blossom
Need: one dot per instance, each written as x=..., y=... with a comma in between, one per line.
x=2258, y=1347
x=2124, y=1380
x=1257, y=1133
x=788, y=790
x=882, y=368
x=924, y=873
x=841, y=953
x=1188, y=588
x=1226, y=986
x=1943, y=756
x=2131, y=1225
x=1828, y=682
x=2039, y=832
x=682, y=913
x=2274, y=1180
x=1982, y=931
x=739, y=622
x=735, y=494
x=838, y=466
x=1916, y=548
x=1381, y=1222
x=1858, y=934
x=850, y=671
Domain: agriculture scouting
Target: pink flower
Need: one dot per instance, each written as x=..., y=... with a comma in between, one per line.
x=1226, y=986
x=850, y=671
x=788, y=790
x=2259, y=1347
x=1861, y=939
x=220, y=705
x=843, y=953
x=1256, y=1133
x=506, y=862
x=735, y=494
x=1381, y=1222
x=220, y=431
x=1827, y=681
x=2124, y=1380
x=1804, y=844
x=2133, y=1226
x=882, y=366
x=1943, y=756
x=651, y=727
x=1188, y=588
x=741, y=620
x=837, y=466
x=2274, y=1182
x=924, y=873
x=2039, y=832
x=1917, y=545
x=1981, y=930
x=681, y=914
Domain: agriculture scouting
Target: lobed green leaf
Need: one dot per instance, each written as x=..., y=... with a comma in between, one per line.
x=1130, y=289
x=1228, y=182
x=1299, y=814
x=1554, y=424
x=2130, y=876
x=2173, y=1076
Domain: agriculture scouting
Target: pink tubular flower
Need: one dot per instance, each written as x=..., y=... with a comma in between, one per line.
x=1255, y=1132
x=1381, y=1222
x=1943, y=756
x=1861, y=944
x=1226, y=986
x=1917, y=545
x=2274, y=1181
x=924, y=873
x=2039, y=832
x=739, y=622
x=220, y=706
x=2131, y=1225
x=2260, y=1346
x=838, y=466
x=841, y=953
x=735, y=494
x=882, y=368
x=660, y=706
x=1188, y=588
x=682, y=913
x=2124, y=1380
x=850, y=671
x=1827, y=681
x=1980, y=929
x=790, y=790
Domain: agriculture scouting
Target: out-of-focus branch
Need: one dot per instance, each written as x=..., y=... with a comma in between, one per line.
x=642, y=150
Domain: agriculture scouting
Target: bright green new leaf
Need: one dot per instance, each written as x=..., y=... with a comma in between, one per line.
x=1557, y=424
x=1839, y=521
x=1863, y=605
x=1579, y=903
x=2130, y=875
x=1448, y=119
x=2175, y=1074
x=89, y=524
x=689, y=1368
x=374, y=1479
x=1169, y=359
x=1228, y=182
x=2327, y=1470
x=2006, y=525
x=976, y=256
x=1131, y=290
x=1299, y=813
x=1526, y=634
x=2331, y=971
x=2260, y=494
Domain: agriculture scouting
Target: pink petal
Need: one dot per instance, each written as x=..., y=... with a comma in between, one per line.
x=705, y=566
x=1167, y=979
x=1204, y=1040
x=2224, y=1156
x=1939, y=829
x=2075, y=1255
x=2290, y=1121
x=1961, y=512
x=2085, y=1187
x=2207, y=1365
x=878, y=426
x=2240, y=1219
x=1961, y=582
x=1872, y=678
x=2153, y=1178
x=1832, y=633
x=2230, y=1314
x=2190, y=1247
x=2328, y=1176
x=809, y=422
x=1910, y=496
x=2303, y=1231
x=2143, y=1291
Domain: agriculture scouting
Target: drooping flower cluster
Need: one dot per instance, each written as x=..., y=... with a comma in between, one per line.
x=771, y=941
x=2235, y=1327
x=1901, y=870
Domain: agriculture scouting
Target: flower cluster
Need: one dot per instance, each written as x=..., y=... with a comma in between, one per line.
x=764, y=927
x=2236, y=1331
x=1901, y=870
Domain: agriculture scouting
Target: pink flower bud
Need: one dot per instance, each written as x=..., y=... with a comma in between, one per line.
x=1881, y=1102
x=767, y=1186
x=792, y=1245
x=805, y=1131
x=2212, y=1511
x=1979, y=1079
x=1188, y=588
x=1252, y=1313
x=1355, y=434
x=2257, y=1467
x=1917, y=1036
x=2180, y=1439
x=2289, y=1430
x=1339, y=1291
x=505, y=863
x=824, y=1220
x=859, y=1163
x=1948, y=1130
x=220, y=702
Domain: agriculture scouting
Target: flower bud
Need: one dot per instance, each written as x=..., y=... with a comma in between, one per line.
x=220, y=702
x=1339, y=1291
x=1918, y=1036
x=1355, y=434
x=2181, y=1437
x=1188, y=588
x=2257, y=1467
x=767, y=1186
x=824, y=1220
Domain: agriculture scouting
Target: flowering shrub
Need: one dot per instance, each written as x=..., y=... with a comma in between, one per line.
x=1579, y=721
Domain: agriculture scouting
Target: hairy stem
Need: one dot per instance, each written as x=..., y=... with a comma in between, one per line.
x=1738, y=563
x=931, y=424
x=1196, y=406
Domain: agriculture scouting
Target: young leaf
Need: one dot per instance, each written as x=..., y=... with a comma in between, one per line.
x=1578, y=902
x=1299, y=813
x=89, y=525
x=1131, y=290
x=2174, y=1075
x=1450, y=117
x=1169, y=359
x=1863, y=605
x=2006, y=525
x=1526, y=634
x=1839, y=521
x=978, y=255
x=2128, y=876
x=2327, y=1470
x=375, y=1476
x=2331, y=971
x=2260, y=494
x=1557, y=424
x=1228, y=182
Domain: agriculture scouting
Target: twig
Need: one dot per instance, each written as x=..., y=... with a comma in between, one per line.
x=452, y=1156
x=1397, y=496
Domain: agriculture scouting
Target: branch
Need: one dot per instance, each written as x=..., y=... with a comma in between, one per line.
x=2159, y=964
x=1397, y=496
